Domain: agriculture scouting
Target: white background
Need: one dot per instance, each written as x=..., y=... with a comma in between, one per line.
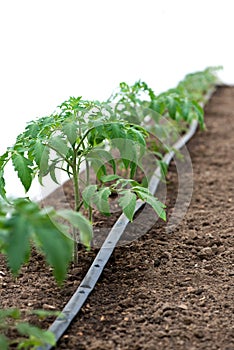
x=53, y=49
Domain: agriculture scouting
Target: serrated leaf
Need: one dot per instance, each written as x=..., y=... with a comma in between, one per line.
x=3, y=159
x=100, y=199
x=81, y=223
x=22, y=167
x=40, y=336
x=59, y=145
x=128, y=202
x=32, y=130
x=136, y=135
x=41, y=154
x=2, y=185
x=88, y=194
x=55, y=244
x=52, y=169
x=115, y=130
x=17, y=246
x=70, y=130
x=96, y=136
x=107, y=178
x=146, y=196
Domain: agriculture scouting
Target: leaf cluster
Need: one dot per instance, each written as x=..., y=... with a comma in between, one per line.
x=128, y=192
x=23, y=224
x=29, y=336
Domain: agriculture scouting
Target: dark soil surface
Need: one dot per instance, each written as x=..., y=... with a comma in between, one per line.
x=164, y=290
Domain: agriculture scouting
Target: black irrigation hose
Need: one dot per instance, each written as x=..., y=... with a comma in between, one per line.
x=71, y=309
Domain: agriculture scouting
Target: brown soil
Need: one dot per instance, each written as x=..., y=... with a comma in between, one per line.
x=165, y=290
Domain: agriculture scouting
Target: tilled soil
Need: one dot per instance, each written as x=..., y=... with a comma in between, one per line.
x=165, y=290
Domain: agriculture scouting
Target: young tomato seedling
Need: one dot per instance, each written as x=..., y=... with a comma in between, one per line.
x=78, y=132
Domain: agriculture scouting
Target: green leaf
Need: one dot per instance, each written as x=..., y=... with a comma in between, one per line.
x=88, y=194
x=3, y=159
x=22, y=167
x=41, y=155
x=113, y=164
x=128, y=151
x=163, y=168
x=146, y=196
x=171, y=106
x=128, y=202
x=99, y=156
x=133, y=168
x=55, y=244
x=115, y=130
x=96, y=136
x=126, y=162
x=185, y=109
x=52, y=172
x=32, y=129
x=136, y=135
x=4, y=343
x=100, y=199
x=98, y=167
x=70, y=130
x=158, y=107
x=29, y=223
x=107, y=178
x=12, y=312
x=37, y=335
x=17, y=246
x=2, y=185
x=101, y=171
x=59, y=145
x=81, y=223
x=200, y=113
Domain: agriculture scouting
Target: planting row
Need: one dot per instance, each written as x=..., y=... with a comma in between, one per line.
x=106, y=136
x=112, y=139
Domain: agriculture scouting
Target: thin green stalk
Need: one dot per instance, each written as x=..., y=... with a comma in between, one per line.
x=60, y=154
x=90, y=211
x=90, y=214
x=76, y=188
x=75, y=170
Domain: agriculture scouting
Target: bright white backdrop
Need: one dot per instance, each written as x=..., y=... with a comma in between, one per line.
x=53, y=49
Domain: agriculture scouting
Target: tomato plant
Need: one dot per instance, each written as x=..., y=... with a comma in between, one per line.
x=82, y=131
x=196, y=85
x=74, y=134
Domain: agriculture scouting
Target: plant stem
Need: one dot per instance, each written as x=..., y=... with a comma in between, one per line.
x=75, y=170
x=90, y=214
x=76, y=188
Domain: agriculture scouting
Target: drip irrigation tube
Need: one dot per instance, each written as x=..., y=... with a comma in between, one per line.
x=74, y=305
